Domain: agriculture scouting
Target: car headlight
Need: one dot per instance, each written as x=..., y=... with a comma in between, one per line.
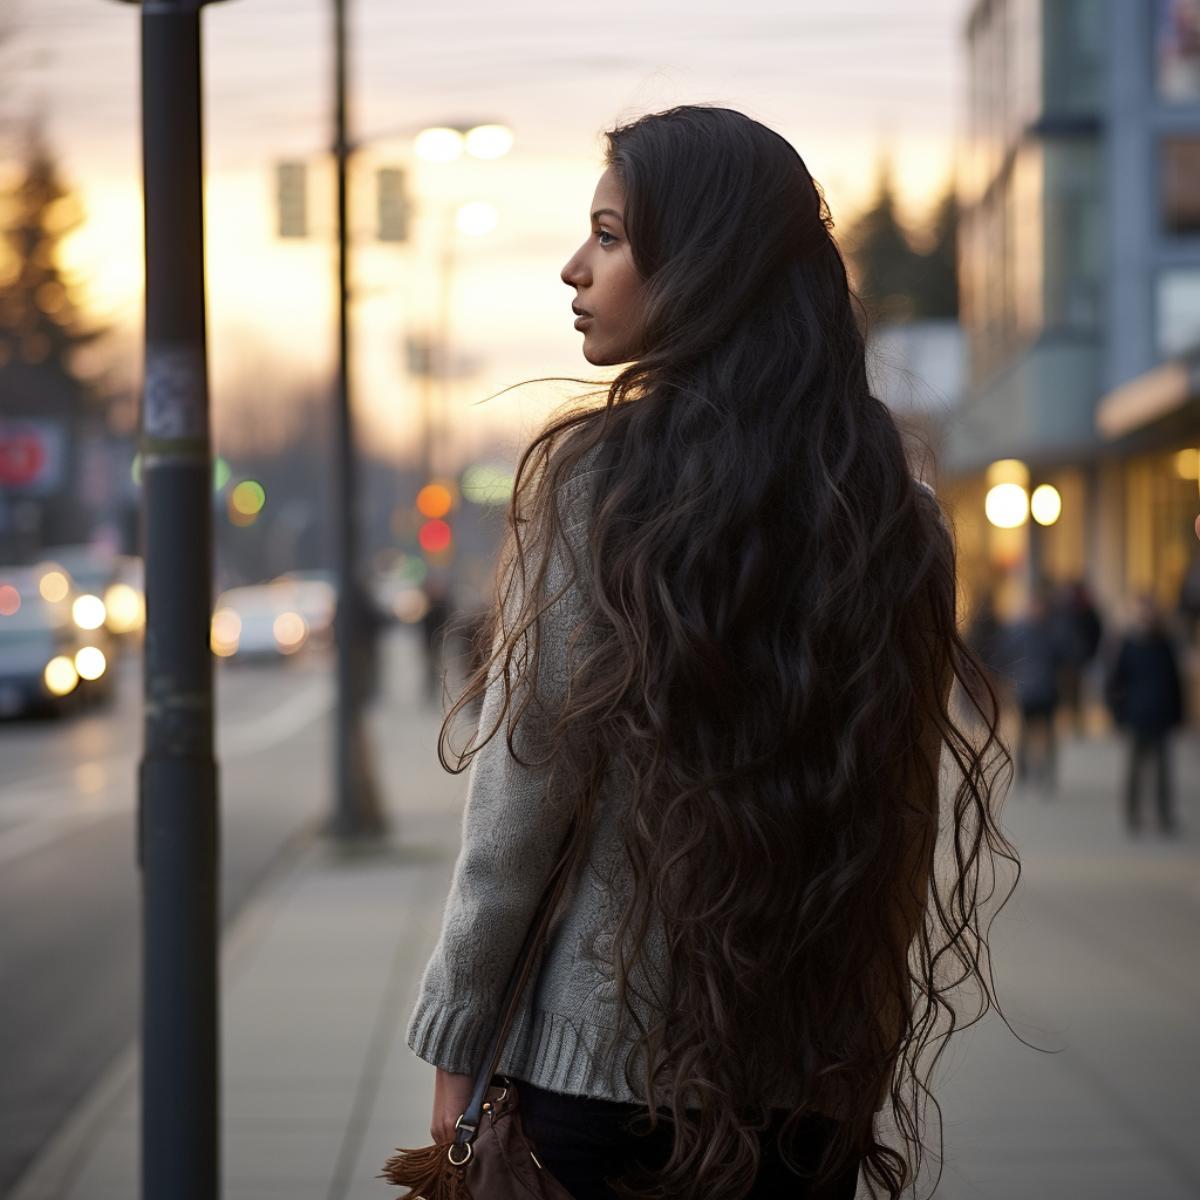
x=88, y=611
x=60, y=676
x=90, y=662
x=290, y=630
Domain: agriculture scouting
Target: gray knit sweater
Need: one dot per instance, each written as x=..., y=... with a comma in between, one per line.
x=561, y=1038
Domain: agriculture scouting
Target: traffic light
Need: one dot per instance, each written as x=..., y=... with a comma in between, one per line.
x=393, y=204
x=435, y=536
x=291, y=199
x=435, y=502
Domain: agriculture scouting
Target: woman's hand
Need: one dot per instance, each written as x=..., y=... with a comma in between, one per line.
x=451, y=1095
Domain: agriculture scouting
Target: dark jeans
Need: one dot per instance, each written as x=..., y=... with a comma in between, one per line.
x=580, y=1139
x=1152, y=746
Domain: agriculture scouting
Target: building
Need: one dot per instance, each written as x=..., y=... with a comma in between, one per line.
x=1079, y=260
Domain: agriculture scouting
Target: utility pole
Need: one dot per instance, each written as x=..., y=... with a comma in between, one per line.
x=178, y=834
x=357, y=811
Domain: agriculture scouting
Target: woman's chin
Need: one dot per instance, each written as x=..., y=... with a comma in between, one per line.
x=599, y=356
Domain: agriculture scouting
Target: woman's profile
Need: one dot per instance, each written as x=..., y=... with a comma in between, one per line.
x=724, y=640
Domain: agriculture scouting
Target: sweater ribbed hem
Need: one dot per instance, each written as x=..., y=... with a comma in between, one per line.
x=564, y=1054
x=549, y=1049
x=447, y=1037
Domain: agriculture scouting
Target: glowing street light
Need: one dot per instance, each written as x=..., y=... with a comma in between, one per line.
x=1045, y=504
x=439, y=144
x=489, y=141
x=1006, y=505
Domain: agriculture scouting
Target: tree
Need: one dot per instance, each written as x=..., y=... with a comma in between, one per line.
x=41, y=324
x=49, y=408
x=896, y=281
x=937, y=283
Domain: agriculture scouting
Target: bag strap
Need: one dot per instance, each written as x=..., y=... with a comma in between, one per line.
x=468, y=1123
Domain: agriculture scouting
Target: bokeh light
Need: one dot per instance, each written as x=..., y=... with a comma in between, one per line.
x=290, y=630
x=90, y=662
x=435, y=500
x=248, y=498
x=484, y=484
x=438, y=144
x=88, y=611
x=54, y=586
x=1006, y=505
x=126, y=608
x=225, y=632
x=1045, y=504
x=10, y=600
x=489, y=141
x=434, y=537
x=60, y=676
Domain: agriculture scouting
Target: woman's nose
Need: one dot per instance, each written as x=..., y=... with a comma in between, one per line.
x=572, y=273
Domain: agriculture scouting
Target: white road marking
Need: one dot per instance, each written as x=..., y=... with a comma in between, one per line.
x=41, y=810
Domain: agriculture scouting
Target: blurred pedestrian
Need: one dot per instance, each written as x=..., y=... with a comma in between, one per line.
x=1146, y=697
x=1035, y=653
x=1079, y=631
x=434, y=627
x=985, y=638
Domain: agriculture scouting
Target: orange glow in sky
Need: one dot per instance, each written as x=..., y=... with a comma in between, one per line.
x=840, y=88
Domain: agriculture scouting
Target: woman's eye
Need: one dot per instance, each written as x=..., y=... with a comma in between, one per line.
x=603, y=233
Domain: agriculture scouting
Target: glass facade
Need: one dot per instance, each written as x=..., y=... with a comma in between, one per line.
x=1177, y=50
x=1177, y=310
x=1032, y=189
x=1179, y=160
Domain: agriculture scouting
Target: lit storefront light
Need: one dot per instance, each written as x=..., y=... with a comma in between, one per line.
x=1045, y=504
x=1006, y=505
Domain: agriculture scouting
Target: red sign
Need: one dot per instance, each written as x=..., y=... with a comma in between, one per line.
x=22, y=458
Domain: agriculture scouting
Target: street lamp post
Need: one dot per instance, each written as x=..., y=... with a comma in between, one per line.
x=357, y=809
x=178, y=833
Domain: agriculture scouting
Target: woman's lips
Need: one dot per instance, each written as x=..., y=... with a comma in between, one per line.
x=582, y=320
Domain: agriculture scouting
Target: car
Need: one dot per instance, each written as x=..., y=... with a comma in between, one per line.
x=55, y=656
x=313, y=594
x=259, y=621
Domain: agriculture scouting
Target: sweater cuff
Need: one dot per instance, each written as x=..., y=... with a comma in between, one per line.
x=451, y=1038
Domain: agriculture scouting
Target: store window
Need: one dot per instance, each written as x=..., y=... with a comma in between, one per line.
x=1180, y=159
x=1177, y=300
x=1177, y=50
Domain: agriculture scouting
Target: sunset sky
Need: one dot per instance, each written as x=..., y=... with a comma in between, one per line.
x=842, y=82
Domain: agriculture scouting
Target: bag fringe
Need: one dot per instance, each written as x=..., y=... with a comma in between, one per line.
x=428, y=1172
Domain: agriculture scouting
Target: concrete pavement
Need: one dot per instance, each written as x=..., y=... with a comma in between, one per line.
x=1096, y=960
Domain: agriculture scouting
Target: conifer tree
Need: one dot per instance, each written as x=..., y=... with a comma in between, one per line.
x=48, y=409
x=41, y=325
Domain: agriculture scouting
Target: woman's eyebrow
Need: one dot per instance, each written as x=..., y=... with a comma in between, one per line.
x=612, y=212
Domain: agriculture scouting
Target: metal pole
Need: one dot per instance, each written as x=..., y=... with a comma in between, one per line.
x=178, y=834
x=357, y=810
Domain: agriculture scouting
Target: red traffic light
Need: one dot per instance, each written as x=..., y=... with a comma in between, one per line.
x=435, y=536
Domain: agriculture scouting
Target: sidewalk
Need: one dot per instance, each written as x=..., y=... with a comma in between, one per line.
x=1096, y=958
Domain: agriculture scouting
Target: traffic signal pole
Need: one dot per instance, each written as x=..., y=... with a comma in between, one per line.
x=178, y=831
x=357, y=810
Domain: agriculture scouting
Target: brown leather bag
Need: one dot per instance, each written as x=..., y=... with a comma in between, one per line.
x=490, y=1157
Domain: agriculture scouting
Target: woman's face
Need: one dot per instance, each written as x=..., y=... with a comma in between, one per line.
x=607, y=286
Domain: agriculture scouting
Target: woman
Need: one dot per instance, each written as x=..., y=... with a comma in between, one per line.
x=724, y=641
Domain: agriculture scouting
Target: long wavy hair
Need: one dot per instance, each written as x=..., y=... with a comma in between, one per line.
x=772, y=648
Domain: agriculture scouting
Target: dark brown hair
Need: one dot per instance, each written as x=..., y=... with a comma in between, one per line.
x=771, y=641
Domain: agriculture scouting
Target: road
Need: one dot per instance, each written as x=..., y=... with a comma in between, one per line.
x=70, y=940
